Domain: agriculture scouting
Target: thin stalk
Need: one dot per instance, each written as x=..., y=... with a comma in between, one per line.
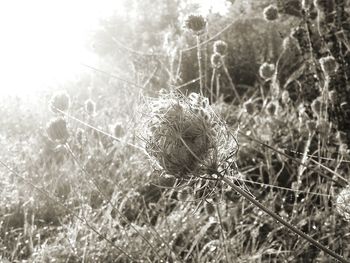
x=212, y=85
x=282, y=221
x=230, y=80
x=200, y=70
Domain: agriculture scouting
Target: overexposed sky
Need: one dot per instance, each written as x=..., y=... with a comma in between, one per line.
x=43, y=42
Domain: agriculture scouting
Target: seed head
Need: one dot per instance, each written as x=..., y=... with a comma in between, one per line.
x=266, y=71
x=342, y=203
x=118, y=130
x=216, y=60
x=329, y=65
x=57, y=130
x=90, y=107
x=271, y=13
x=60, y=101
x=195, y=23
x=220, y=47
x=332, y=96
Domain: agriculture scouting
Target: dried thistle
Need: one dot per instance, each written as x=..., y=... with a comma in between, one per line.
x=342, y=203
x=60, y=101
x=271, y=13
x=57, y=130
x=186, y=138
x=220, y=47
x=195, y=23
x=266, y=71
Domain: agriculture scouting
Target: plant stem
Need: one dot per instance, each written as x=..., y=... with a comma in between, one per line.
x=230, y=80
x=200, y=70
x=282, y=221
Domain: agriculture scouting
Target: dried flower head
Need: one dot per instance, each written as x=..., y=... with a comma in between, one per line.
x=118, y=130
x=329, y=65
x=220, y=47
x=332, y=96
x=186, y=138
x=266, y=71
x=60, y=101
x=216, y=60
x=90, y=107
x=290, y=43
x=342, y=203
x=195, y=23
x=249, y=107
x=271, y=13
x=57, y=130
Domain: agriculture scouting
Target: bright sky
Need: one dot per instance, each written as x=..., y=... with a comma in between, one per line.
x=43, y=42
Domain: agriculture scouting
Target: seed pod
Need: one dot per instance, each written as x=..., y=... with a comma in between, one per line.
x=216, y=60
x=60, y=101
x=266, y=71
x=220, y=47
x=271, y=13
x=57, y=130
x=195, y=23
x=90, y=107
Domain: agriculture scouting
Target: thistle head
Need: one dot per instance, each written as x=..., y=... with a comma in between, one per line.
x=270, y=13
x=329, y=65
x=57, y=130
x=220, y=47
x=266, y=71
x=90, y=107
x=195, y=23
x=60, y=101
x=216, y=60
x=342, y=203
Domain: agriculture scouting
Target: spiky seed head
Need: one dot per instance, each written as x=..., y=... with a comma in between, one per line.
x=271, y=13
x=195, y=23
x=60, y=101
x=311, y=126
x=90, y=107
x=266, y=71
x=118, y=130
x=272, y=108
x=342, y=203
x=57, y=130
x=249, y=107
x=220, y=47
x=216, y=60
x=290, y=43
x=329, y=65
x=316, y=106
x=285, y=97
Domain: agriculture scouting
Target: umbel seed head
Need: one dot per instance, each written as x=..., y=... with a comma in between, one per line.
x=57, y=130
x=216, y=60
x=90, y=107
x=329, y=65
x=271, y=13
x=60, y=101
x=266, y=71
x=220, y=47
x=195, y=23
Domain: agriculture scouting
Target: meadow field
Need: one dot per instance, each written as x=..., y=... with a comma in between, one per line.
x=202, y=131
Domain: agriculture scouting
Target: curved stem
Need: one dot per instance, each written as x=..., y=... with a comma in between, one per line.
x=200, y=70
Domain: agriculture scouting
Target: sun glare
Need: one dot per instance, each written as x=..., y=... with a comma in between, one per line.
x=44, y=42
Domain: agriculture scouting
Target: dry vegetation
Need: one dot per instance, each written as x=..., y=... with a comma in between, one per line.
x=130, y=162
